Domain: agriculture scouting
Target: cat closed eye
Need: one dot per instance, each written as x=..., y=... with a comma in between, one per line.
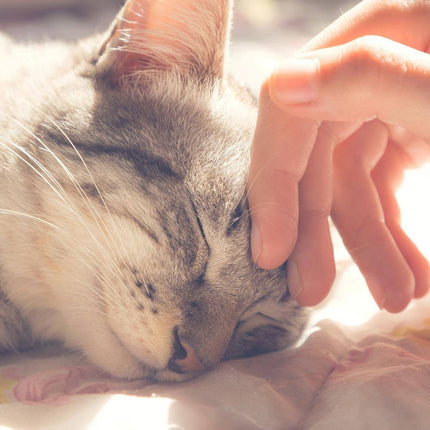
x=235, y=220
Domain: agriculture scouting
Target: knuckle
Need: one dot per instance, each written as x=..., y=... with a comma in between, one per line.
x=317, y=213
x=286, y=177
x=366, y=234
x=369, y=60
x=329, y=132
x=366, y=52
x=347, y=158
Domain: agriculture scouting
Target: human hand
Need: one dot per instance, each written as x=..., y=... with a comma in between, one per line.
x=337, y=127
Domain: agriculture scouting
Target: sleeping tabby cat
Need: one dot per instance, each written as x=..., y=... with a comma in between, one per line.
x=124, y=225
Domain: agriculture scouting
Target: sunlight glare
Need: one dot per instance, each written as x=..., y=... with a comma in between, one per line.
x=414, y=200
x=129, y=412
x=350, y=302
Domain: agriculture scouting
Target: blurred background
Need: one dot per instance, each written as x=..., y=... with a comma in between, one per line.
x=257, y=18
x=264, y=31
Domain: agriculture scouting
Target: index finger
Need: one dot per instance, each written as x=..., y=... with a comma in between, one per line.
x=281, y=149
x=405, y=22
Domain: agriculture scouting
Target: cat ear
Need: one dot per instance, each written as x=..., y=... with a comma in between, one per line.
x=186, y=36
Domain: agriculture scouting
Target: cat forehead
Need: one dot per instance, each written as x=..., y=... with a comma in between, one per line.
x=172, y=106
x=166, y=110
x=186, y=128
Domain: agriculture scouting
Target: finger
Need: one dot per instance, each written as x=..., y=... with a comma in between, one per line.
x=311, y=267
x=387, y=179
x=359, y=217
x=371, y=77
x=280, y=152
x=415, y=148
x=406, y=22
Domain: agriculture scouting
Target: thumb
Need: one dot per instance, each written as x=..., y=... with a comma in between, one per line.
x=370, y=77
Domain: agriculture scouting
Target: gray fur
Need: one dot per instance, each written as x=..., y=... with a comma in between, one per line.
x=123, y=216
x=15, y=333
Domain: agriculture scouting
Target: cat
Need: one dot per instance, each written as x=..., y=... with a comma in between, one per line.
x=124, y=225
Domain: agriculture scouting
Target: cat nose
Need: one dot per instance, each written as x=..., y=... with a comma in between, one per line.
x=184, y=359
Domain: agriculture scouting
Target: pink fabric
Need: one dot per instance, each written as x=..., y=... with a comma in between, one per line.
x=376, y=376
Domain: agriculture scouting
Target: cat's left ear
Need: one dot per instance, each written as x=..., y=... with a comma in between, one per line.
x=186, y=36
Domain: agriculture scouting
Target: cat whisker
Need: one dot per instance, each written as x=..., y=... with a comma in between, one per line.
x=47, y=223
x=119, y=237
x=32, y=158
x=78, y=257
x=82, y=193
x=248, y=213
x=38, y=164
x=251, y=185
x=29, y=216
x=33, y=168
x=103, y=299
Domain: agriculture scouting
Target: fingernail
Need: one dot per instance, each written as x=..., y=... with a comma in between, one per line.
x=381, y=304
x=377, y=291
x=293, y=279
x=380, y=301
x=256, y=243
x=295, y=81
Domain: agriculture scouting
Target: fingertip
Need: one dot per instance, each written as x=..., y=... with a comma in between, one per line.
x=423, y=290
x=267, y=261
x=295, y=81
x=256, y=244
x=395, y=296
x=311, y=275
x=264, y=89
x=422, y=280
x=271, y=243
x=395, y=306
x=272, y=257
x=294, y=280
x=416, y=261
x=316, y=286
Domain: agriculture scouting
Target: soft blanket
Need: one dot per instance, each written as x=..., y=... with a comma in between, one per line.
x=376, y=376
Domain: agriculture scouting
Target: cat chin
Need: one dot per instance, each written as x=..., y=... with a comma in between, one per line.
x=167, y=375
x=122, y=364
x=125, y=366
x=108, y=352
x=115, y=359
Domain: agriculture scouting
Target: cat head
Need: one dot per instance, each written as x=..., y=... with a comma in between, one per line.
x=159, y=274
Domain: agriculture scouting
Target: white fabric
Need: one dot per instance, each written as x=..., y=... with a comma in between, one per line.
x=373, y=377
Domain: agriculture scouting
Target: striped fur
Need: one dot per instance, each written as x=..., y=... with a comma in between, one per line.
x=124, y=224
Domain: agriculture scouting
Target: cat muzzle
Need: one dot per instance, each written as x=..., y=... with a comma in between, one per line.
x=185, y=359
